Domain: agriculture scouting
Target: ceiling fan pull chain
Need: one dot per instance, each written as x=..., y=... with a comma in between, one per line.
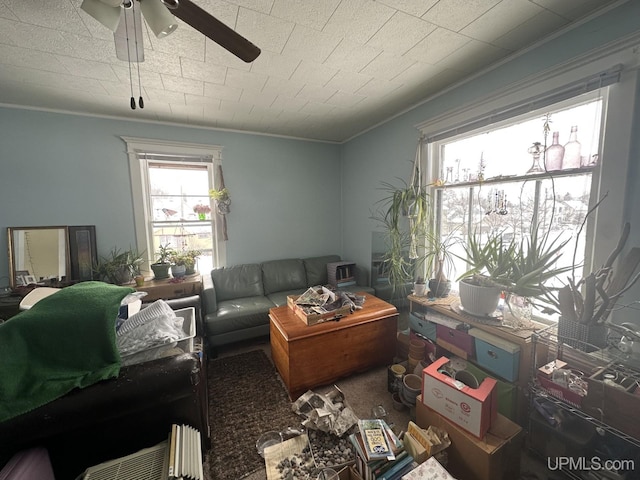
x=133, y=100
x=135, y=36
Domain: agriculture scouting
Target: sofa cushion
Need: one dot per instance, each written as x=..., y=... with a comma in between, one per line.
x=237, y=281
x=239, y=313
x=280, y=298
x=282, y=275
x=316, y=268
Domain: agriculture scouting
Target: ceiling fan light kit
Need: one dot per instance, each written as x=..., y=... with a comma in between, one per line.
x=160, y=21
x=103, y=12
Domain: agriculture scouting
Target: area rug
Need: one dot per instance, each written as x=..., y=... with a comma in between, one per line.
x=246, y=398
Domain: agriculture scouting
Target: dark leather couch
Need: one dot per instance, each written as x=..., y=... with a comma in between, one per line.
x=115, y=417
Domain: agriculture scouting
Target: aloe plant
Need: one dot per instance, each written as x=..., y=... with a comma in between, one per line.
x=519, y=267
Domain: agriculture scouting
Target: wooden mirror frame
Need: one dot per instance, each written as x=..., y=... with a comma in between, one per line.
x=11, y=241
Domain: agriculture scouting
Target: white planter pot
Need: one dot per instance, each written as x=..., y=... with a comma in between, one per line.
x=479, y=300
x=420, y=289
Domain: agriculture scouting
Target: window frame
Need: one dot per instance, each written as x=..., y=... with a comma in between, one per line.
x=138, y=166
x=603, y=230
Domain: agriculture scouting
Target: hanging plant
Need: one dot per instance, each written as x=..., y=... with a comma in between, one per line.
x=222, y=200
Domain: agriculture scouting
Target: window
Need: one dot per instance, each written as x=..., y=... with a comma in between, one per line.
x=504, y=178
x=171, y=184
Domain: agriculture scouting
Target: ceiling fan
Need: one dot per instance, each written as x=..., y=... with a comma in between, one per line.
x=158, y=14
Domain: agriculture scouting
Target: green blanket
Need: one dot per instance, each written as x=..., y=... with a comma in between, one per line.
x=64, y=341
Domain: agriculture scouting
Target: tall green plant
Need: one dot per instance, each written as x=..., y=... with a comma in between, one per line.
x=403, y=214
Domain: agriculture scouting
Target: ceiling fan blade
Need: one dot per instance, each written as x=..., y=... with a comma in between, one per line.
x=131, y=29
x=217, y=31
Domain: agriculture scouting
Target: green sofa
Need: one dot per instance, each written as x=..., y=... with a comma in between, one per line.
x=236, y=299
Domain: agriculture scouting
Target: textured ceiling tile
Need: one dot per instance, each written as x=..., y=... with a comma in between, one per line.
x=86, y=68
x=263, y=6
x=316, y=93
x=531, y=30
x=417, y=73
x=257, y=98
x=266, y=32
x=412, y=7
x=346, y=100
x=502, y=19
x=311, y=14
x=23, y=57
x=437, y=46
x=249, y=80
x=351, y=56
x=378, y=88
x=116, y=89
x=226, y=12
x=288, y=103
x=222, y=92
x=230, y=106
x=36, y=38
x=347, y=81
x=160, y=62
x=89, y=48
x=282, y=87
x=400, y=33
x=147, y=78
x=200, y=100
x=207, y=72
x=571, y=9
x=314, y=108
x=183, y=85
x=274, y=64
x=358, y=20
x=6, y=13
x=310, y=44
x=214, y=53
x=164, y=96
x=313, y=73
x=59, y=15
x=386, y=66
x=457, y=14
x=473, y=56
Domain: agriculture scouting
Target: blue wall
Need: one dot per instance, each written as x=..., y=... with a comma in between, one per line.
x=59, y=169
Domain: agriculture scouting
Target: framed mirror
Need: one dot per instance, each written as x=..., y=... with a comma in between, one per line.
x=38, y=254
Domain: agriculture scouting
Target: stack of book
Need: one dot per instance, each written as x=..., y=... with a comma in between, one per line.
x=341, y=274
x=380, y=455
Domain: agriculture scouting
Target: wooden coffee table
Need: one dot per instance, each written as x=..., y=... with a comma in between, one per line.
x=309, y=356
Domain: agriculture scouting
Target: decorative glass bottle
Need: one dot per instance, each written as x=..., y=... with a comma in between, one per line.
x=554, y=154
x=572, y=150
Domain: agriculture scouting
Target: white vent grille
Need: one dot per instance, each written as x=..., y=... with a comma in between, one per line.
x=148, y=464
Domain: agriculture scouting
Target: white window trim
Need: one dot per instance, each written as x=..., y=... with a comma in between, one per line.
x=138, y=172
x=617, y=139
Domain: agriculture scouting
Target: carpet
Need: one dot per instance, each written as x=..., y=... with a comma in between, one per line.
x=246, y=398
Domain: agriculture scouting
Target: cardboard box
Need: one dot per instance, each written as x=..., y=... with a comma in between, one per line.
x=496, y=457
x=474, y=409
x=349, y=473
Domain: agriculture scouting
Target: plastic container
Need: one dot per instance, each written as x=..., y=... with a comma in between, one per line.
x=184, y=343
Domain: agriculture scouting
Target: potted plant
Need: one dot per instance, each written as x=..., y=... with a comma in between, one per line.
x=119, y=266
x=161, y=266
x=515, y=267
x=420, y=287
x=439, y=261
x=191, y=257
x=403, y=214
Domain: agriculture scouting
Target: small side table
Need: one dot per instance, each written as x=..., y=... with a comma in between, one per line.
x=166, y=290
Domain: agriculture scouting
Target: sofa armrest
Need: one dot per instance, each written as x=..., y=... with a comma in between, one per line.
x=208, y=296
